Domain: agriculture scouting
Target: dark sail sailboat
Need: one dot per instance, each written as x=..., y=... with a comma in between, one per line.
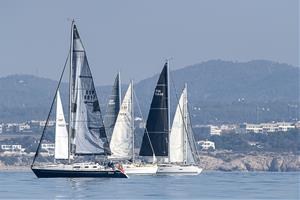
x=175, y=149
x=86, y=132
x=156, y=135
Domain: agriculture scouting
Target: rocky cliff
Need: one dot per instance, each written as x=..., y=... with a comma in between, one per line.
x=227, y=161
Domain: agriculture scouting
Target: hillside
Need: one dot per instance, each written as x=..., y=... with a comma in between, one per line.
x=214, y=86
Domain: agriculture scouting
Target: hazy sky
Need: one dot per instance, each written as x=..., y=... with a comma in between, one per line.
x=136, y=36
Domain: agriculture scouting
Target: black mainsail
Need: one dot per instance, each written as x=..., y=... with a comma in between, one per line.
x=113, y=107
x=157, y=125
x=88, y=132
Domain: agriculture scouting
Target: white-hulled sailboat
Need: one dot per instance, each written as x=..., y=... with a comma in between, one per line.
x=183, y=151
x=175, y=150
x=85, y=133
x=122, y=140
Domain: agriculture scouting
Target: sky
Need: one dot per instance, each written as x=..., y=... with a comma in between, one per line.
x=136, y=36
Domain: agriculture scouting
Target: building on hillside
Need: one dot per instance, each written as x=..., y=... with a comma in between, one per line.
x=215, y=130
x=206, y=145
x=11, y=128
x=24, y=127
x=267, y=127
x=49, y=148
x=285, y=126
x=297, y=124
x=228, y=128
x=43, y=123
x=12, y=148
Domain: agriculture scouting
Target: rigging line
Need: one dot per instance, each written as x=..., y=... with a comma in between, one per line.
x=185, y=125
x=48, y=117
x=140, y=111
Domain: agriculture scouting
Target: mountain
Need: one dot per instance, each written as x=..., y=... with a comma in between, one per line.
x=221, y=90
x=224, y=81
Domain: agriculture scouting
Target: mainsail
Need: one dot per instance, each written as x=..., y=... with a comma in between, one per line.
x=121, y=143
x=181, y=136
x=157, y=125
x=88, y=132
x=113, y=108
x=61, y=132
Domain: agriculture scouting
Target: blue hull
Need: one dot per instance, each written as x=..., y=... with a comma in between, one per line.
x=45, y=173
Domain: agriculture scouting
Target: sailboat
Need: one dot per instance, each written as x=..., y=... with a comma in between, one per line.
x=164, y=145
x=156, y=134
x=85, y=131
x=183, y=151
x=122, y=140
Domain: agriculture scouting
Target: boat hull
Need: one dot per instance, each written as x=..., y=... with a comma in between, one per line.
x=178, y=170
x=140, y=169
x=56, y=173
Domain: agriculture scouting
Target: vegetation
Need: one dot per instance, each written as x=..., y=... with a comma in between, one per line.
x=272, y=142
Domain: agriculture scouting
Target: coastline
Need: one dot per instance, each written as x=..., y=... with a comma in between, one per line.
x=223, y=161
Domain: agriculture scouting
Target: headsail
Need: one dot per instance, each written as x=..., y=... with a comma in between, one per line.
x=157, y=125
x=88, y=132
x=177, y=135
x=122, y=137
x=61, y=133
x=181, y=136
x=113, y=108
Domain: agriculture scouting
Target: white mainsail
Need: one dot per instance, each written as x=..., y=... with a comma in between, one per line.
x=61, y=133
x=180, y=150
x=121, y=143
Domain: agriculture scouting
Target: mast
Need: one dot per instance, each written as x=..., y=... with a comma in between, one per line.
x=132, y=121
x=185, y=123
x=168, y=82
x=70, y=93
x=120, y=92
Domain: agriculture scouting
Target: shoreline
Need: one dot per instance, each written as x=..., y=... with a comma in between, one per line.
x=27, y=169
x=222, y=161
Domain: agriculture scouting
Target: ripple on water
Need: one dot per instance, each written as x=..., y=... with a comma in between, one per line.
x=208, y=185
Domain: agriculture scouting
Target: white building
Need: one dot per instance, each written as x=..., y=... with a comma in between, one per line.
x=253, y=128
x=50, y=123
x=206, y=144
x=285, y=126
x=215, y=130
x=11, y=127
x=49, y=148
x=268, y=127
x=24, y=127
x=12, y=148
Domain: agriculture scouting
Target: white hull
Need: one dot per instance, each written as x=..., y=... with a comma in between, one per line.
x=172, y=169
x=140, y=169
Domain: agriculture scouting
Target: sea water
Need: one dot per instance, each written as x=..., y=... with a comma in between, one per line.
x=207, y=185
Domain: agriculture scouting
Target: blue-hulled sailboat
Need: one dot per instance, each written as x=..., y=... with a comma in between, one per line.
x=84, y=135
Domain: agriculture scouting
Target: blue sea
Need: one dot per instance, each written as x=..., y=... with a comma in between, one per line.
x=208, y=185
